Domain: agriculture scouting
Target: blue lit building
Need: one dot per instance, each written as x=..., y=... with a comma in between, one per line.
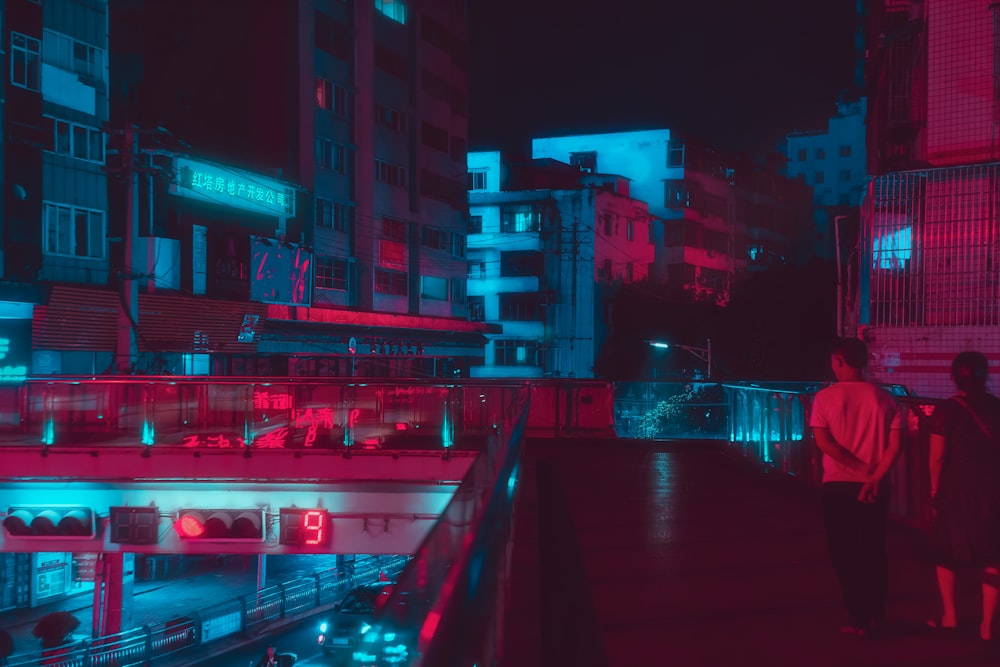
x=833, y=162
x=722, y=215
x=548, y=244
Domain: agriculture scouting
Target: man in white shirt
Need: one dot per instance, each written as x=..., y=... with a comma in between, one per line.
x=857, y=427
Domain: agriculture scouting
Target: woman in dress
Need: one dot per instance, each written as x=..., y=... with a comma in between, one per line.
x=965, y=489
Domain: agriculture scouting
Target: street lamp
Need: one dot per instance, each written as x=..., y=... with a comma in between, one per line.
x=703, y=353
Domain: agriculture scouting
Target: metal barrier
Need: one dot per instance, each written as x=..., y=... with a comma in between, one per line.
x=143, y=645
x=769, y=427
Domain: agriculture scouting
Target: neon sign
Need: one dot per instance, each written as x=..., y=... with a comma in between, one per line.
x=233, y=187
x=12, y=351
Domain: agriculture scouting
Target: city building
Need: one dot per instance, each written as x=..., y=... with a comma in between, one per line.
x=354, y=114
x=833, y=163
x=548, y=244
x=927, y=279
x=722, y=215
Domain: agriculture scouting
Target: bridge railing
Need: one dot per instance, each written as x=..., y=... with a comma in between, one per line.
x=227, y=412
x=447, y=607
x=769, y=428
x=248, y=613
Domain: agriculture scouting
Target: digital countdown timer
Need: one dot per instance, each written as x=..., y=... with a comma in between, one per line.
x=302, y=527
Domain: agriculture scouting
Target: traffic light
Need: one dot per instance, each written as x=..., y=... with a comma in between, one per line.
x=60, y=521
x=134, y=525
x=304, y=527
x=243, y=525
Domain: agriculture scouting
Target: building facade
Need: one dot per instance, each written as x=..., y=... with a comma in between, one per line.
x=355, y=113
x=548, y=244
x=720, y=216
x=834, y=164
x=928, y=275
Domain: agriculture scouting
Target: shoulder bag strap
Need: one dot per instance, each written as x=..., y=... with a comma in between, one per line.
x=975, y=416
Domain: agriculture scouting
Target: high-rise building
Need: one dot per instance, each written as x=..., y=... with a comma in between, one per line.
x=294, y=171
x=549, y=244
x=928, y=277
x=722, y=215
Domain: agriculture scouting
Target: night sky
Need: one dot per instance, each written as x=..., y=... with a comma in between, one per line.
x=735, y=73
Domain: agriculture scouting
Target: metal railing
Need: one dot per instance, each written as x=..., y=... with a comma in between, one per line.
x=245, y=614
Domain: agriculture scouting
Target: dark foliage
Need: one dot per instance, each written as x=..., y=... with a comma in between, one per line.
x=54, y=628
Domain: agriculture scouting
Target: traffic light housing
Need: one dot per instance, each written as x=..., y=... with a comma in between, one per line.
x=50, y=521
x=299, y=526
x=221, y=525
x=134, y=525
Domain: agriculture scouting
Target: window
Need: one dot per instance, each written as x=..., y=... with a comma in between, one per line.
x=434, y=287
x=522, y=218
x=521, y=307
x=73, y=55
x=586, y=161
x=334, y=215
x=331, y=97
x=607, y=270
x=331, y=273
x=651, y=231
x=458, y=290
x=477, y=180
x=391, y=282
x=72, y=231
x=79, y=141
x=845, y=151
x=477, y=308
x=475, y=224
x=389, y=118
x=819, y=177
x=24, y=54
x=457, y=244
x=392, y=174
x=820, y=154
x=394, y=229
x=629, y=272
x=392, y=9
x=803, y=153
x=433, y=238
x=609, y=228
x=515, y=352
x=477, y=270
x=521, y=263
x=331, y=156
x=676, y=196
x=630, y=230
x=845, y=175
x=675, y=154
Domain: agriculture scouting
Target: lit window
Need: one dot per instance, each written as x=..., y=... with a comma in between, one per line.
x=72, y=231
x=331, y=273
x=24, y=70
x=331, y=97
x=393, y=9
x=891, y=250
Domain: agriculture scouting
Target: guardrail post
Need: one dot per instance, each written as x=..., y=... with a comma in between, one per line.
x=243, y=612
x=148, y=645
x=315, y=577
x=281, y=587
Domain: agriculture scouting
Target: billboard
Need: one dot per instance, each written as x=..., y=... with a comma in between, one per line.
x=280, y=272
x=227, y=186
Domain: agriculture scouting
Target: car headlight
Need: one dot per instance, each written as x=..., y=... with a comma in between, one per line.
x=365, y=628
x=323, y=627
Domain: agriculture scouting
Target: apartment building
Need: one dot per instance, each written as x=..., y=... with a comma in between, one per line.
x=548, y=245
x=721, y=215
x=355, y=113
x=833, y=163
x=928, y=281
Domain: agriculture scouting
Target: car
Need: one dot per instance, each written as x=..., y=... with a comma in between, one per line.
x=341, y=632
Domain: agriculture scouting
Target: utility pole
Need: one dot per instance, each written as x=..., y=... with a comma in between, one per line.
x=126, y=351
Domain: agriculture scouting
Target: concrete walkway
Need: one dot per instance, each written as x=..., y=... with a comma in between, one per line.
x=631, y=553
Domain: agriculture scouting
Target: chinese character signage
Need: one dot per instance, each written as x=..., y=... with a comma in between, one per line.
x=233, y=187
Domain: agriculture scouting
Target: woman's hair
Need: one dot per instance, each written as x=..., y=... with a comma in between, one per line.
x=969, y=372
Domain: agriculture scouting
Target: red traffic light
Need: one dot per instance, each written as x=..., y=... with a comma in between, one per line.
x=225, y=524
x=50, y=521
